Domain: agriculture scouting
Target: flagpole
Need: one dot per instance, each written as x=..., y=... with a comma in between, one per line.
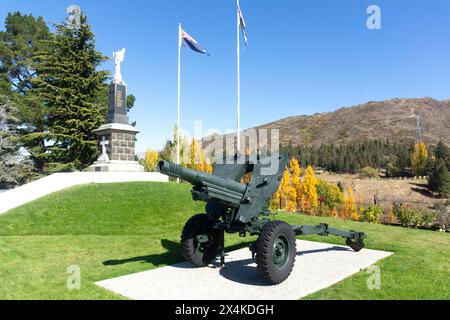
x=178, y=99
x=238, y=81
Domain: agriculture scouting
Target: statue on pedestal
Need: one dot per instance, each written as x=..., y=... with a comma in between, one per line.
x=116, y=132
x=118, y=58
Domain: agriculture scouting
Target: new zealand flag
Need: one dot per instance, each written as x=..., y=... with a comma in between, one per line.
x=190, y=42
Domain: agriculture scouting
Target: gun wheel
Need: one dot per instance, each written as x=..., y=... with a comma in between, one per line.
x=276, y=251
x=355, y=245
x=199, y=253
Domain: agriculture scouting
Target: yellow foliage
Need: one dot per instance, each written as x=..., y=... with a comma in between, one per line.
x=349, y=209
x=391, y=215
x=275, y=201
x=287, y=193
x=151, y=159
x=335, y=213
x=420, y=155
x=205, y=163
x=195, y=161
x=296, y=182
x=309, y=190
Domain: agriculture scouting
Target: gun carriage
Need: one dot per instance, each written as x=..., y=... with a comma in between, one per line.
x=235, y=207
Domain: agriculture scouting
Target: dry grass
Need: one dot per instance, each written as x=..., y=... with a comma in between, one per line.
x=411, y=191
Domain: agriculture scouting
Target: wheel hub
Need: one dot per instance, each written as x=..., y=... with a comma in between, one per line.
x=280, y=251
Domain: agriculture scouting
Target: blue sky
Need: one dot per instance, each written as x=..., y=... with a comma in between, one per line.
x=303, y=56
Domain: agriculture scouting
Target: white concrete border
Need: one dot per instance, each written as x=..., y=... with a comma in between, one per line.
x=58, y=181
x=317, y=266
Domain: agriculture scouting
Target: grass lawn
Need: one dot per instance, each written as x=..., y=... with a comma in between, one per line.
x=110, y=230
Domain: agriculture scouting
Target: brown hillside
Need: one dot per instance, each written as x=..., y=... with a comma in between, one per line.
x=393, y=119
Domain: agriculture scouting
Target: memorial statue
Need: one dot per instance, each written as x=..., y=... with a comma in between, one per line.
x=118, y=58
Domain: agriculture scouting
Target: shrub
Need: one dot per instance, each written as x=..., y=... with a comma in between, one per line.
x=369, y=172
x=391, y=215
x=428, y=218
x=329, y=195
x=324, y=211
x=341, y=186
x=409, y=217
x=372, y=214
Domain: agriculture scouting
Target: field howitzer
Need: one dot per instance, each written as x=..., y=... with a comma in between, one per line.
x=235, y=207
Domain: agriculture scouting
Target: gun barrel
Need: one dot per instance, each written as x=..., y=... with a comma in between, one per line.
x=199, y=178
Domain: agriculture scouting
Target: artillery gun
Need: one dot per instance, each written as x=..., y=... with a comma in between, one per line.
x=235, y=207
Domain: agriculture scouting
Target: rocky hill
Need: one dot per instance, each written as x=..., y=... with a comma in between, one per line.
x=394, y=119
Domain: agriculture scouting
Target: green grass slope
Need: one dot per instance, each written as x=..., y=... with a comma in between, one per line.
x=108, y=230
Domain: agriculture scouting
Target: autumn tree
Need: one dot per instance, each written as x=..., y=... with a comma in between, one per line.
x=285, y=197
x=205, y=163
x=419, y=158
x=349, y=209
x=296, y=180
x=151, y=160
x=309, y=190
x=194, y=155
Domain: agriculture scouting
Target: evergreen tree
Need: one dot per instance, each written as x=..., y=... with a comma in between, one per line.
x=168, y=151
x=439, y=180
x=14, y=169
x=23, y=37
x=443, y=152
x=68, y=84
x=349, y=158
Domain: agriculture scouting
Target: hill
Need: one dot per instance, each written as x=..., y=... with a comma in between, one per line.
x=394, y=119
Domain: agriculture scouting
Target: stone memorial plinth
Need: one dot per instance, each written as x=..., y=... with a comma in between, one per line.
x=117, y=137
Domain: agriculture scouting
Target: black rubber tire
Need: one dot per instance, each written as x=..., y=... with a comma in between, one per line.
x=270, y=233
x=202, y=255
x=356, y=246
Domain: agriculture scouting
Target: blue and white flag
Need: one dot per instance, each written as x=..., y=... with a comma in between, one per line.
x=188, y=41
x=242, y=24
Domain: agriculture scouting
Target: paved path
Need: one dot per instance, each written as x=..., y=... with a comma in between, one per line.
x=318, y=265
x=58, y=181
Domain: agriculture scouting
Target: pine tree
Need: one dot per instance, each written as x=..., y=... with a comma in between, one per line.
x=439, y=180
x=68, y=83
x=419, y=158
x=13, y=169
x=23, y=37
x=443, y=152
